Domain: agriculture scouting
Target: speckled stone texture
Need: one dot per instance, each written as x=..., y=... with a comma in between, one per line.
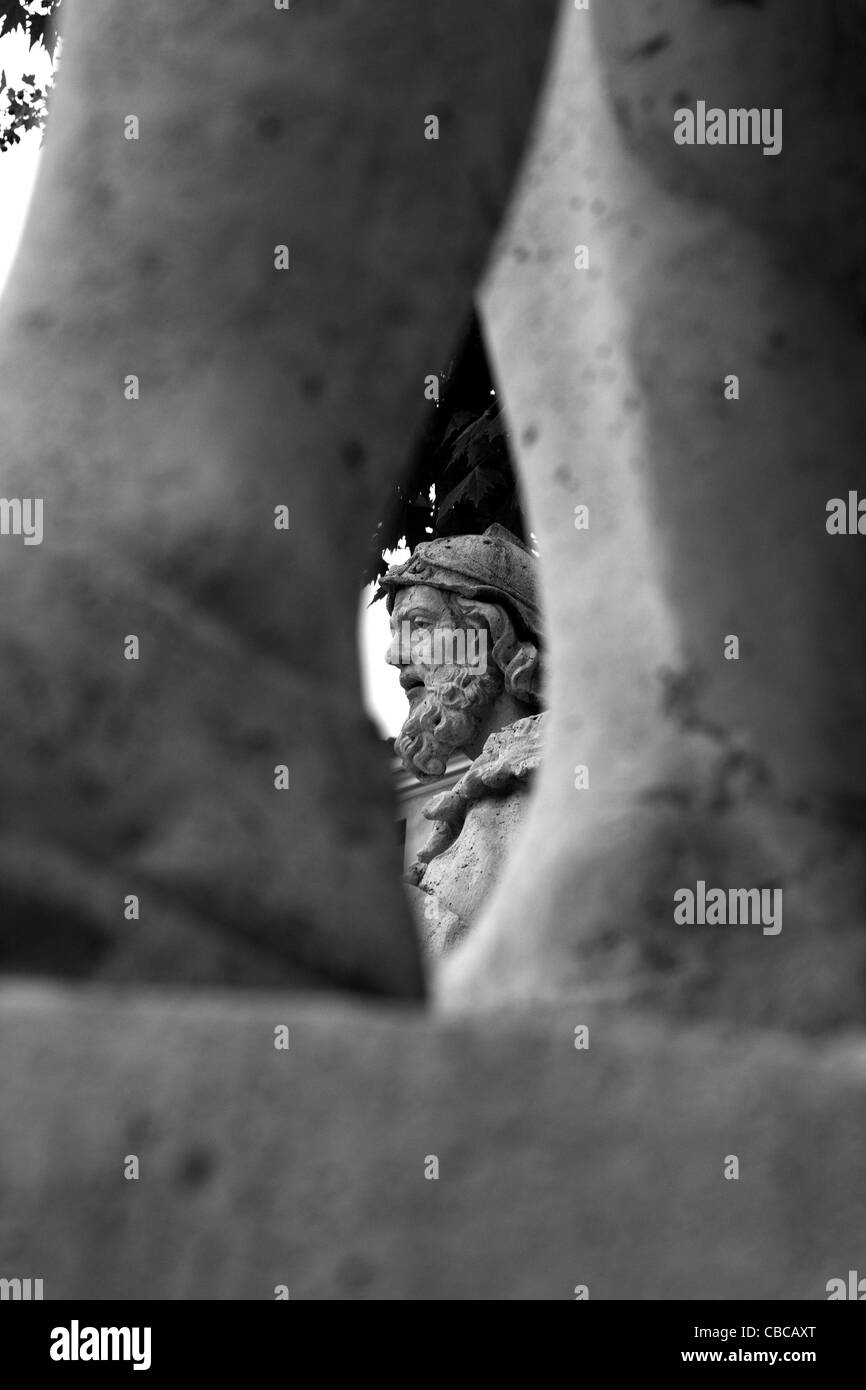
x=476, y=824
x=707, y=516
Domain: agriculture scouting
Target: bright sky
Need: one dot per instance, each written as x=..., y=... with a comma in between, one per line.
x=383, y=694
x=18, y=167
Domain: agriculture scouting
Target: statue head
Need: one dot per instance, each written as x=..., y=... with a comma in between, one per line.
x=465, y=635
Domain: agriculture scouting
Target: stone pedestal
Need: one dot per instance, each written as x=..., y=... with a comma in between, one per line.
x=306, y=1167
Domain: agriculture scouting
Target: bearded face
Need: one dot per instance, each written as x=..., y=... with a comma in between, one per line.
x=449, y=702
x=445, y=717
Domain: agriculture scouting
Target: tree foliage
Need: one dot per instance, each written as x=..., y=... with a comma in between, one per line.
x=461, y=478
x=24, y=106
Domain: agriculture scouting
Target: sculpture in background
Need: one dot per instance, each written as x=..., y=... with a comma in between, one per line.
x=466, y=637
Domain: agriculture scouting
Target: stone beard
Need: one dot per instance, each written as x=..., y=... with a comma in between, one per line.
x=454, y=707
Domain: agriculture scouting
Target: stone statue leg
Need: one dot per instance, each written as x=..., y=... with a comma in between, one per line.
x=706, y=515
x=264, y=379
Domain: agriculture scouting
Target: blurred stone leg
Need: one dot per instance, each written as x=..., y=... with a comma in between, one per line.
x=636, y=276
x=243, y=258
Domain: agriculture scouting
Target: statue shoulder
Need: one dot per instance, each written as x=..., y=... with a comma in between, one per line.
x=516, y=749
x=505, y=766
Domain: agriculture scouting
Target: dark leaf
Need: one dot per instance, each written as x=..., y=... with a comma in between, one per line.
x=458, y=422
x=472, y=488
x=496, y=422
x=37, y=27
x=12, y=16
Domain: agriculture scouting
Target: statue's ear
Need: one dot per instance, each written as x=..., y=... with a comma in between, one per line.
x=523, y=673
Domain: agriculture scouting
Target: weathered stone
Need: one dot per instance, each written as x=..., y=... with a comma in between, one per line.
x=494, y=567
x=305, y=1167
x=260, y=389
x=706, y=516
x=476, y=824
